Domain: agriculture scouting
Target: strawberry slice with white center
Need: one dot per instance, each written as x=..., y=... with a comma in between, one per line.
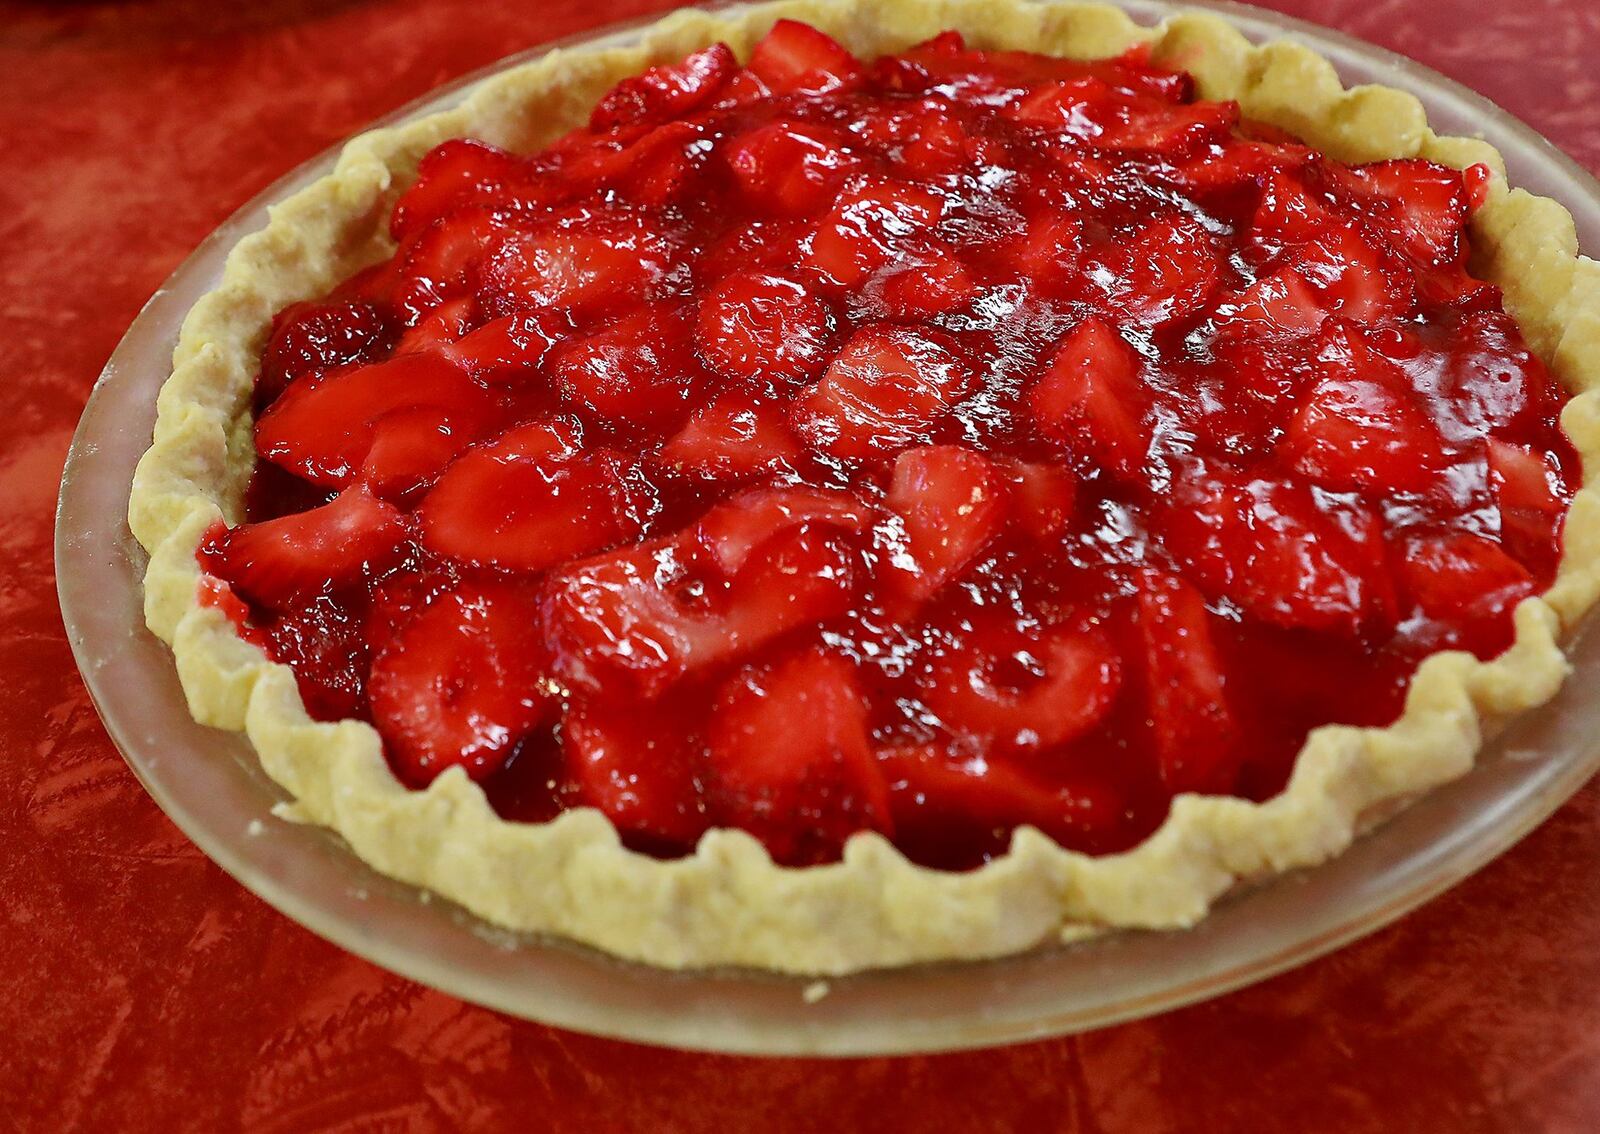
x=1282, y=552
x=1043, y=495
x=288, y=559
x=638, y=371
x=951, y=502
x=795, y=57
x=1063, y=107
x=1458, y=576
x=1426, y=202
x=589, y=263
x=636, y=766
x=790, y=167
x=869, y=225
x=1526, y=488
x=461, y=683
x=1361, y=427
x=530, y=500
x=1093, y=399
x=792, y=758
x=1023, y=688
x=1196, y=736
x=736, y=436
x=322, y=428
x=759, y=328
x=730, y=532
x=882, y=392
x=665, y=91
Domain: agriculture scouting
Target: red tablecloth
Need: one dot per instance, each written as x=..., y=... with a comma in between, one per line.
x=141, y=989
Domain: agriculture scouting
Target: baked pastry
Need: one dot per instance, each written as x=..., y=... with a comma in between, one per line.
x=831, y=513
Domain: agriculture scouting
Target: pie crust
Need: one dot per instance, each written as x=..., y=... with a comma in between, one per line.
x=728, y=904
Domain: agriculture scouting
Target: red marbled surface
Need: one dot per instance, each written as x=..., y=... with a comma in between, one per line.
x=141, y=989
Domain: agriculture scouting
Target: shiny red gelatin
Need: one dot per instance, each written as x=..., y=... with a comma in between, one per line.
x=931, y=445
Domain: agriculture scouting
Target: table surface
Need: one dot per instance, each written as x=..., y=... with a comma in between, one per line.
x=141, y=989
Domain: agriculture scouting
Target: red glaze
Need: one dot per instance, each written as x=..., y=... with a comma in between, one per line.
x=930, y=445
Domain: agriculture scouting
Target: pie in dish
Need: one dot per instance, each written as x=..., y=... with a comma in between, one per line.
x=900, y=497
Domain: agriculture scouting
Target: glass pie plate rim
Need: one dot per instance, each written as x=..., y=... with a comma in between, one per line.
x=212, y=787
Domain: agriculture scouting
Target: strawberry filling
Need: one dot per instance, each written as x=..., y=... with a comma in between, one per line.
x=931, y=445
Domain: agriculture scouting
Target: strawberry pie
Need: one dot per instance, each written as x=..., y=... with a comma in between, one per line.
x=945, y=461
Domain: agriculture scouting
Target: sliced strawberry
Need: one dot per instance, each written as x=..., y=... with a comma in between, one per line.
x=731, y=531
x=1049, y=250
x=532, y=499
x=1282, y=553
x=665, y=91
x=1530, y=498
x=795, y=57
x=1091, y=397
x=790, y=167
x=310, y=338
x=440, y=327
x=765, y=329
x=1236, y=163
x=653, y=170
x=733, y=437
x=1282, y=303
x=792, y=758
x=322, y=428
x=1022, y=687
x=437, y=263
x=1193, y=725
x=936, y=793
x=869, y=225
x=922, y=139
x=1169, y=270
x=1457, y=576
x=508, y=351
x=411, y=448
x=1042, y=497
x=1290, y=209
x=1172, y=132
x=592, y=263
x=881, y=393
x=459, y=174
x=633, y=763
x=290, y=558
x=639, y=370
x=1425, y=201
x=649, y=615
x=461, y=684
x=952, y=502
x=936, y=284
x=1354, y=279
x=1361, y=429
x=1491, y=379
x=1063, y=107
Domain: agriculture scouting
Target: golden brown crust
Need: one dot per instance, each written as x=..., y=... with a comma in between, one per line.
x=729, y=904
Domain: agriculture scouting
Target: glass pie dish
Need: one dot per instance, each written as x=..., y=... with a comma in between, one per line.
x=1112, y=977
